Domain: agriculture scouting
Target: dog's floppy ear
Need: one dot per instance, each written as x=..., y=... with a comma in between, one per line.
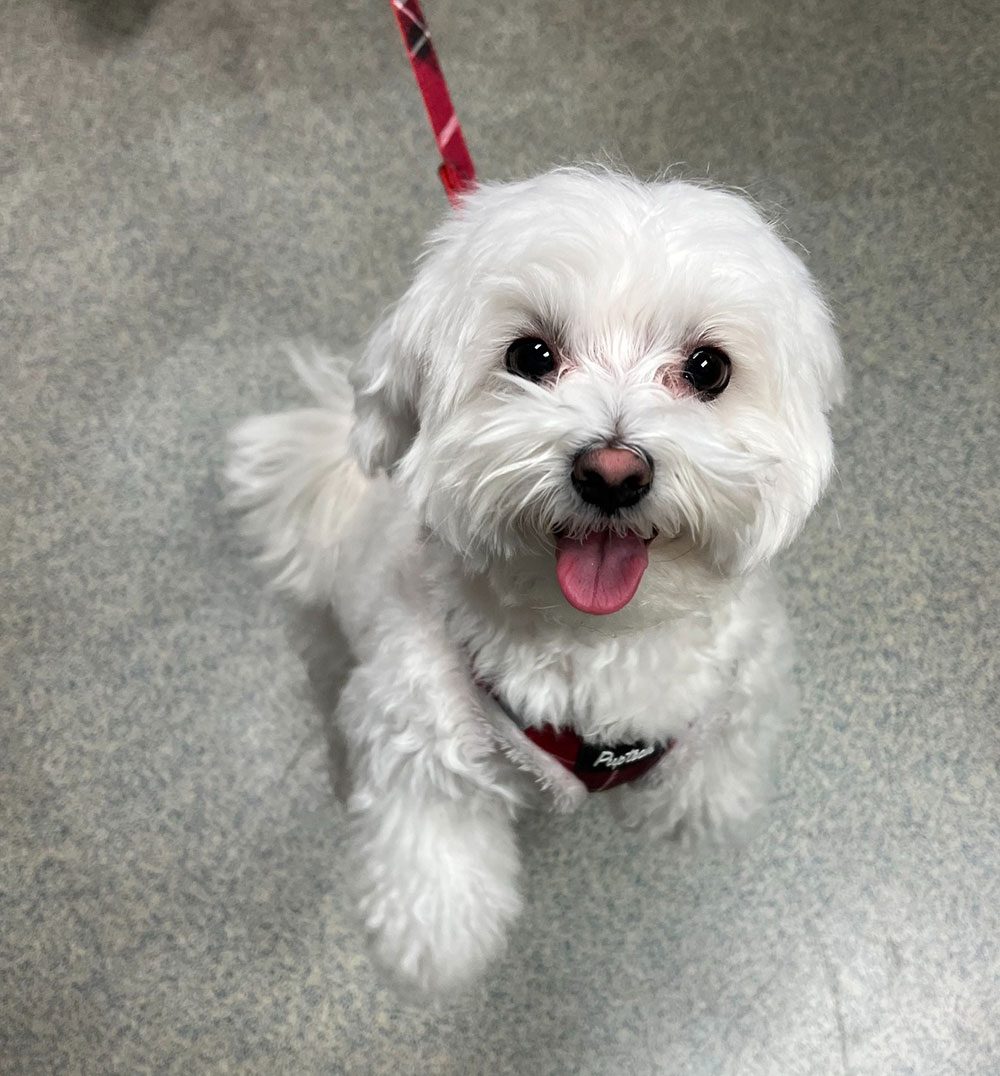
x=386, y=384
x=804, y=462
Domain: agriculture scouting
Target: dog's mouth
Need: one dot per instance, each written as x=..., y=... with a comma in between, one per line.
x=600, y=572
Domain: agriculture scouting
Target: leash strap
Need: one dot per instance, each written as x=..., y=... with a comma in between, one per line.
x=456, y=171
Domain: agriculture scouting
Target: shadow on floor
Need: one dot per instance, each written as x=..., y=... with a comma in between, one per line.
x=105, y=22
x=324, y=651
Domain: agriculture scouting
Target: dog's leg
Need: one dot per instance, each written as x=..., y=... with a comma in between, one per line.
x=711, y=785
x=436, y=860
x=719, y=775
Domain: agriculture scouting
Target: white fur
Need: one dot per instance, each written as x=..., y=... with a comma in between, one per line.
x=427, y=521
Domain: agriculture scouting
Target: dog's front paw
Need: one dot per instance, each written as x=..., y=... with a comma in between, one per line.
x=436, y=943
x=439, y=890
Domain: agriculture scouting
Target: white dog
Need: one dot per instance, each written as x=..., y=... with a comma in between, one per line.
x=543, y=522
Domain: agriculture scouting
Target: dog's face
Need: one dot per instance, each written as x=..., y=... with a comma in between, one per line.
x=615, y=374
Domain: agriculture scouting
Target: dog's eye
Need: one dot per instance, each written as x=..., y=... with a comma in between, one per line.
x=530, y=357
x=707, y=370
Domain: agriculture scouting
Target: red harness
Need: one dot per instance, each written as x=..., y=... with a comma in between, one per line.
x=598, y=766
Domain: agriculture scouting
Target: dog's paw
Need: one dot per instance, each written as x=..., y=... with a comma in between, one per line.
x=438, y=882
x=439, y=955
x=434, y=935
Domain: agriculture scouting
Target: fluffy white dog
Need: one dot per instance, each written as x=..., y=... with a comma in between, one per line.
x=543, y=521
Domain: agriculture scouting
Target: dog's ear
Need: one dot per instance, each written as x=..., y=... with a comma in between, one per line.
x=818, y=335
x=386, y=384
x=804, y=461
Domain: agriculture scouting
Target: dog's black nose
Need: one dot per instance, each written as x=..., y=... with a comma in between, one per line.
x=612, y=478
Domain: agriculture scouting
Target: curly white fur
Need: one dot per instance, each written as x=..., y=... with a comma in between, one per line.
x=426, y=516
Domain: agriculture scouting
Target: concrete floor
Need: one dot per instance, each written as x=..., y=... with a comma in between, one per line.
x=185, y=186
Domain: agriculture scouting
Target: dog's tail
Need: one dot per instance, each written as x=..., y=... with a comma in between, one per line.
x=295, y=483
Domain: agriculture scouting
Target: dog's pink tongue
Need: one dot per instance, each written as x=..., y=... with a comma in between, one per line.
x=601, y=573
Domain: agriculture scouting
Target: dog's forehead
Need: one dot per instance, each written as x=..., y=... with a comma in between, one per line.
x=612, y=210
x=593, y=246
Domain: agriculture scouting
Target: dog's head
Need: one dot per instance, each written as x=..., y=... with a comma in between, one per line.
x=615, y=373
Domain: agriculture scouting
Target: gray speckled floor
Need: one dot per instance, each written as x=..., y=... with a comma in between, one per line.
x=184, y=186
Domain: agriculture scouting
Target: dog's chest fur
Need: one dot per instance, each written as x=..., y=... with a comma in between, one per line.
x=608, y=681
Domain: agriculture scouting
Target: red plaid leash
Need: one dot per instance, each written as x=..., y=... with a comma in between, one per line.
x=457, y=172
